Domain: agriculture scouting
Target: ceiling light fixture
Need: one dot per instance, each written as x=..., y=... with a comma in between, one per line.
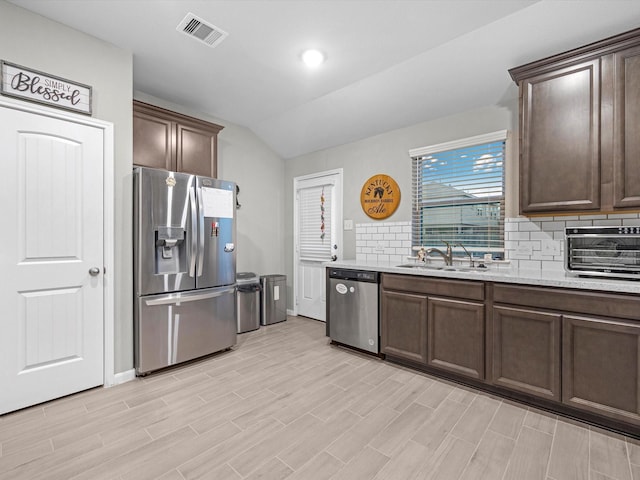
x=313, y=58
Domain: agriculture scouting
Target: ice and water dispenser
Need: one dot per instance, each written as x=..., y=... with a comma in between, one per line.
x=171, y=254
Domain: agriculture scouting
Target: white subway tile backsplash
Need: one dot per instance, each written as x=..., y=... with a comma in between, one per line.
x=518, y=235
x=612, y=222
x=579, y=223
x=540, y=235
x=383, y=242
x=552, y=265
x=546, y=226
x=531, y=264
x=529, y=227
x=524, y=237
x=391, y=241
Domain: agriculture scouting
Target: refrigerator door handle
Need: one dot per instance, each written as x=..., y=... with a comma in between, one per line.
x=200, y=232
x=177, y=299
x=194, y=233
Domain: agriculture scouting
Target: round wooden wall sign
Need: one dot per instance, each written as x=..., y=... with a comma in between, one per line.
x=380, y=196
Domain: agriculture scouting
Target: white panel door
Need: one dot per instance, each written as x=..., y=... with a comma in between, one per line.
x=318, y=232
x=51, y=208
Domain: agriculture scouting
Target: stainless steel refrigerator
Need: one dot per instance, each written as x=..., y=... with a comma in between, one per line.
x=184, y=267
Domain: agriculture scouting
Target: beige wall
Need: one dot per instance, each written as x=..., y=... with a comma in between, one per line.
x=388, y=153
x=39, y=43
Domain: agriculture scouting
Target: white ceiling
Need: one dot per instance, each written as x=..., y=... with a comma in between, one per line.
x=391, y=63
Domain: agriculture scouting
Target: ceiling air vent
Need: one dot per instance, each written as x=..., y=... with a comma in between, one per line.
x=200, y=30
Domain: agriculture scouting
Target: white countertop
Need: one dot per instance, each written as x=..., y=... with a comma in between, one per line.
x=503, y=274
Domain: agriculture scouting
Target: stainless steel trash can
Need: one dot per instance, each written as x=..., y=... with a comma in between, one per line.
x=248, y=301
x=274, y=299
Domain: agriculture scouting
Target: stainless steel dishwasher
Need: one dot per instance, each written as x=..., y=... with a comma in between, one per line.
x=353, y=308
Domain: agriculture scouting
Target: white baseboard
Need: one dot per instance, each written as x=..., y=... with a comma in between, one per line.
x=123, y=377
x=291, y=312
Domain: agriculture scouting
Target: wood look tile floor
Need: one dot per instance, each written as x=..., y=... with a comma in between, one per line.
x=284, y=404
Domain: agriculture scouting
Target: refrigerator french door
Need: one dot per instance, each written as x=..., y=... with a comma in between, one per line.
x=184, y=267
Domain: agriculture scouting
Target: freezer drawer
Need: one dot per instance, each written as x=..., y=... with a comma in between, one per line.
x=174, y=328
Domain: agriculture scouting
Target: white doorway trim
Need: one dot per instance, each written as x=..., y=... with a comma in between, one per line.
x=338, y=222
x=108, y=212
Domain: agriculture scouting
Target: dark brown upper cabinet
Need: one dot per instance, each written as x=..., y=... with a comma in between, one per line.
x=169, y=140
x=579, y=112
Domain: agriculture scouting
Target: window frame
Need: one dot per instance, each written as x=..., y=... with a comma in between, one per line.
x=418, y=154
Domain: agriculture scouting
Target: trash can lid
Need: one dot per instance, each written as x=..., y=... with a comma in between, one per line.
x=246, y=277
x=273, y=275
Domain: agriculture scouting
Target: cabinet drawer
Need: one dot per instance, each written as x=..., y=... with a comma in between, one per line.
x=609, y=305
x=434, y=286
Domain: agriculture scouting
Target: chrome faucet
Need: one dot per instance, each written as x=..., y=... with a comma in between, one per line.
x=471, y=264
x=448, y=256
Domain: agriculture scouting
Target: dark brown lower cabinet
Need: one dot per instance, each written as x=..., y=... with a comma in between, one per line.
x=601, y=366
x=455, y=336
x=404, y=325
x=526, y=351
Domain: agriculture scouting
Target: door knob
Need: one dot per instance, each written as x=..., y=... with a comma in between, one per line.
x=94, y=271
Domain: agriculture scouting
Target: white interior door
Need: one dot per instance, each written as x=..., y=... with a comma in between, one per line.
x=318, y=237
x=51, y=260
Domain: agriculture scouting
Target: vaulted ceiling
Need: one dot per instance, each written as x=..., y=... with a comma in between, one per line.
x=390, y=63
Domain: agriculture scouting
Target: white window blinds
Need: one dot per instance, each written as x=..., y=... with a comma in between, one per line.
x=315, y=217
x=458, y=194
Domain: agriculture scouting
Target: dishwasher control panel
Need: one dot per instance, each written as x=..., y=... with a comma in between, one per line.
x=358, y=275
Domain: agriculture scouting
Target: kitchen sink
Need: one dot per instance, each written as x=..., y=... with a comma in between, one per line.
x=442, y=267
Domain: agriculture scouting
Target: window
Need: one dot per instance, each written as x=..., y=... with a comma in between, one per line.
x=458, y=195
x=315, y=221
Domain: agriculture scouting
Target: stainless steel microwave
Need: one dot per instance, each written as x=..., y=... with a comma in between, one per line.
x=603, y=251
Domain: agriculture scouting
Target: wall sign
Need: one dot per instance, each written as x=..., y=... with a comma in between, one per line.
x=34, y=86
x=380, y=196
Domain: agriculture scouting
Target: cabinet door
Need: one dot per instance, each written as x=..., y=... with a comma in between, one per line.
x=560, y=140
x=526, y=351
x=626, y=124
x=456, y=336
x=196, y=150
x=601, y=366
x=153, y=141
x=403, y=325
